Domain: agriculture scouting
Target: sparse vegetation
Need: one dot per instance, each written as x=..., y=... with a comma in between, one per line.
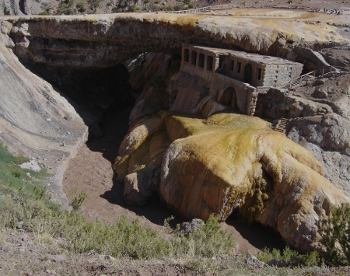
x=120, y=239
x=134, y=8
x=289, y=257
x=206, y=249
x=335, y=236
x=122, y=4
x=80, y=7
x=65, y=7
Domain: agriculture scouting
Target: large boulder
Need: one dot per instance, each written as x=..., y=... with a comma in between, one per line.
x=211, y=166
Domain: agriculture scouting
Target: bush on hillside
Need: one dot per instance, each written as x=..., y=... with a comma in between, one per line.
x=80, y=7
x=289, y=257
x=335, y=236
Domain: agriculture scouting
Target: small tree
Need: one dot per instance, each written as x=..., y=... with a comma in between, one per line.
x=335, y=236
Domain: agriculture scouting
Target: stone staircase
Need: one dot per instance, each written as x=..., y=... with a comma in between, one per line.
x=281, y=124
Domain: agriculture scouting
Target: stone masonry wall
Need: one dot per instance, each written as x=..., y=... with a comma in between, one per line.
x=277, y=75
x=244, y=91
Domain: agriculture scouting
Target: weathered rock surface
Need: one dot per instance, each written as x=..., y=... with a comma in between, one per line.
x=227, y=161
x=72, y=41
x=320, y=122
x=327, y=137
x=35, y=120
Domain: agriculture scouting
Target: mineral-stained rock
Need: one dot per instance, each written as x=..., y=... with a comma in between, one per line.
x=210, y=166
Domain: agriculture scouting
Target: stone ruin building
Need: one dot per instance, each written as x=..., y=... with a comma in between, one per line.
x=235, y=78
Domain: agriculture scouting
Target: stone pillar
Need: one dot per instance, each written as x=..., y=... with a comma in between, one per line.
x=252, y=98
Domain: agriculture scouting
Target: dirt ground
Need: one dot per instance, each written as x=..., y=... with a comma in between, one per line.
x=91, y=171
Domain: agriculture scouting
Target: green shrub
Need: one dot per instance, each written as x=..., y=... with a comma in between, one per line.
x=65, y=7
x=44, y=13
x=335, y=236
x=16, y=174
x=179, y=7
x=289, y=257
x=80, y=7
x=122, y=4
x=168, y=8
x=133, y=8
x=76, y=200
x=120, y=239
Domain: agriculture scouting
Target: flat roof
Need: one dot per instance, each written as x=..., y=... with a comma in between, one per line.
x=256, y=58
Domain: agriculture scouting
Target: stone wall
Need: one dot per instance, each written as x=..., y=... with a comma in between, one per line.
x=203, y=70
x=277, y=75
x=257, y=70
x=235, y=68
x=244, y=93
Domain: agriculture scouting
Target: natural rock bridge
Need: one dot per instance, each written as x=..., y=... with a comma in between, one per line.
x=273, y=180
x=106, y=40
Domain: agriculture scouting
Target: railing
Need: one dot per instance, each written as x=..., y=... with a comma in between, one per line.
x=203, y=9
x=299, y=80
x=310, y=77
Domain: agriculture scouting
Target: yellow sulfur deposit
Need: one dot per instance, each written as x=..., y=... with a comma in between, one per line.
x=210, y=166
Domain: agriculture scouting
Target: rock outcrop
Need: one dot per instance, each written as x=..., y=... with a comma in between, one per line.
x=211, y=166
x=319, y=121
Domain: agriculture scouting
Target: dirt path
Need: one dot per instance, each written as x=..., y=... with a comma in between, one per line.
x=91, y=171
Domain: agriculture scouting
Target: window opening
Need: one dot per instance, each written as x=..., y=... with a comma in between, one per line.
x=232, y=63
x=201, y=60
x=210, y=63
x=194, y=57
x=186, y=55
x=259, y=74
